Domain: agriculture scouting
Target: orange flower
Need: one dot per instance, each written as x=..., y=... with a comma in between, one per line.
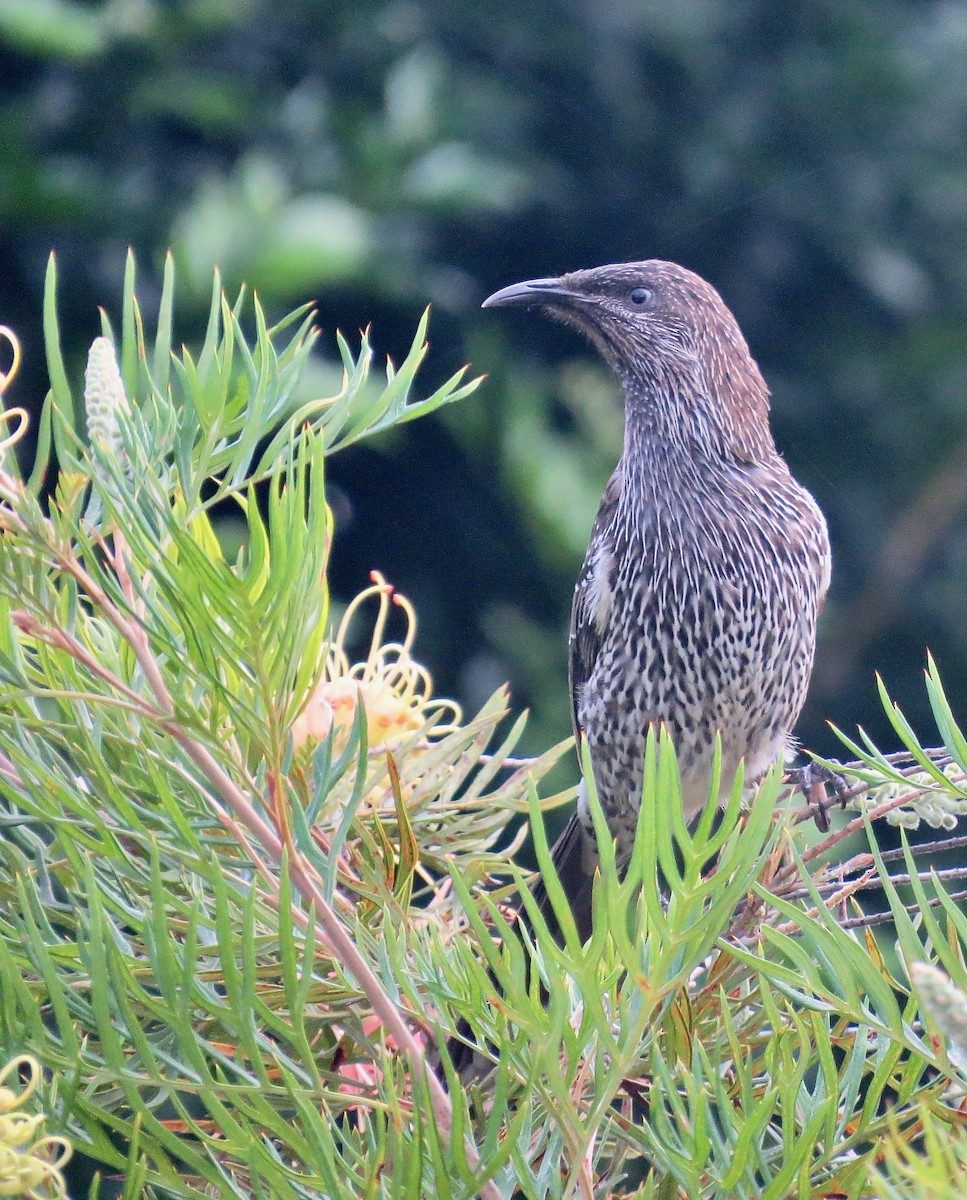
x=396, y=691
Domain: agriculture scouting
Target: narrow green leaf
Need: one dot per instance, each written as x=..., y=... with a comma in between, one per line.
x=129, y=337
x=161, y=359
x=55, y=363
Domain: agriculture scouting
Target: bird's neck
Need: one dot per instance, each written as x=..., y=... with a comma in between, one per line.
x=685, y=417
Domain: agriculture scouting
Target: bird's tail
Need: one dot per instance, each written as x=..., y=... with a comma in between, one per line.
x=575, y=858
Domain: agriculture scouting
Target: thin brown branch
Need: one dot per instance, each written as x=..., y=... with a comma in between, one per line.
x=787, y=881
x=870, y=881
x=918, y=849
x=885, y=917
x=61, y=640
x=854, y=826
x=789, y=874
x=236, y=803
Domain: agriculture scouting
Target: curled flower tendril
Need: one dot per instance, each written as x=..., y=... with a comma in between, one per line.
x=11, y=415
x=30, y=1164
x=6, y=377
x=21, y=416
x=396, y=691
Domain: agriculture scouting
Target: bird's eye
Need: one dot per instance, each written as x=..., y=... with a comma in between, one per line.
x=640, y=295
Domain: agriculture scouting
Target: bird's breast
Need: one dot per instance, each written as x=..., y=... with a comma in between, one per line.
x=708, y=615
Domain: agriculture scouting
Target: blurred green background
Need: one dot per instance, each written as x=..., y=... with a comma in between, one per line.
x=810, y=159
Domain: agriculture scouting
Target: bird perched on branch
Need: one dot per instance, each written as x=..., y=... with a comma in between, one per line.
x=708, y=563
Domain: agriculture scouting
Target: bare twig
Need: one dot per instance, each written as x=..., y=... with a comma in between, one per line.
x=885, y=917
x=790, y=872
x=836, y=887
x=870, y=881
x=941, y=846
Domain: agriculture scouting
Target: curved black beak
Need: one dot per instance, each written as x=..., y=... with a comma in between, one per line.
x=532, y=291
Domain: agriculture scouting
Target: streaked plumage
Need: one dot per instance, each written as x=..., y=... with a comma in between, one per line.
x=708, y=563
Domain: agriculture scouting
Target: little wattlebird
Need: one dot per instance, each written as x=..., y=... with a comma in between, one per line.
x=708, y=563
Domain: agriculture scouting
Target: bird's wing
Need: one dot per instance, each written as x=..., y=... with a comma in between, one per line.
x=593, y=596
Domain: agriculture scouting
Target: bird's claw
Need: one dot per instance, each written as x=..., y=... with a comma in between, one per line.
x=815, y=780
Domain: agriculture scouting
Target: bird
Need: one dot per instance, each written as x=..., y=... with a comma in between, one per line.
x=707, y=567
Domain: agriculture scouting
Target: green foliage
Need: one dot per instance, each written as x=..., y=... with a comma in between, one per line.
x=934, y=1167
x=235, y=947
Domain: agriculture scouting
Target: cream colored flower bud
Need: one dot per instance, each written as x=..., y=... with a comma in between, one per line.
x=104, y=395
x=947, y=1004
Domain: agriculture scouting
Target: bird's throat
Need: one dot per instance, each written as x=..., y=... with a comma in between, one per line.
x=680, y=419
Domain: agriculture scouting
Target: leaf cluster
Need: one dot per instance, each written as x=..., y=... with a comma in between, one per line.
x=236, y=955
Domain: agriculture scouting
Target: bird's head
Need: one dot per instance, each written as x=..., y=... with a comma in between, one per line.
x=669, y=337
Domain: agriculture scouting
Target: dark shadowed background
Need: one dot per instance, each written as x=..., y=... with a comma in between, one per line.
x=810, y=160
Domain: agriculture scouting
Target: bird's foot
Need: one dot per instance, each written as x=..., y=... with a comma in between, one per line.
x=815, y=780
